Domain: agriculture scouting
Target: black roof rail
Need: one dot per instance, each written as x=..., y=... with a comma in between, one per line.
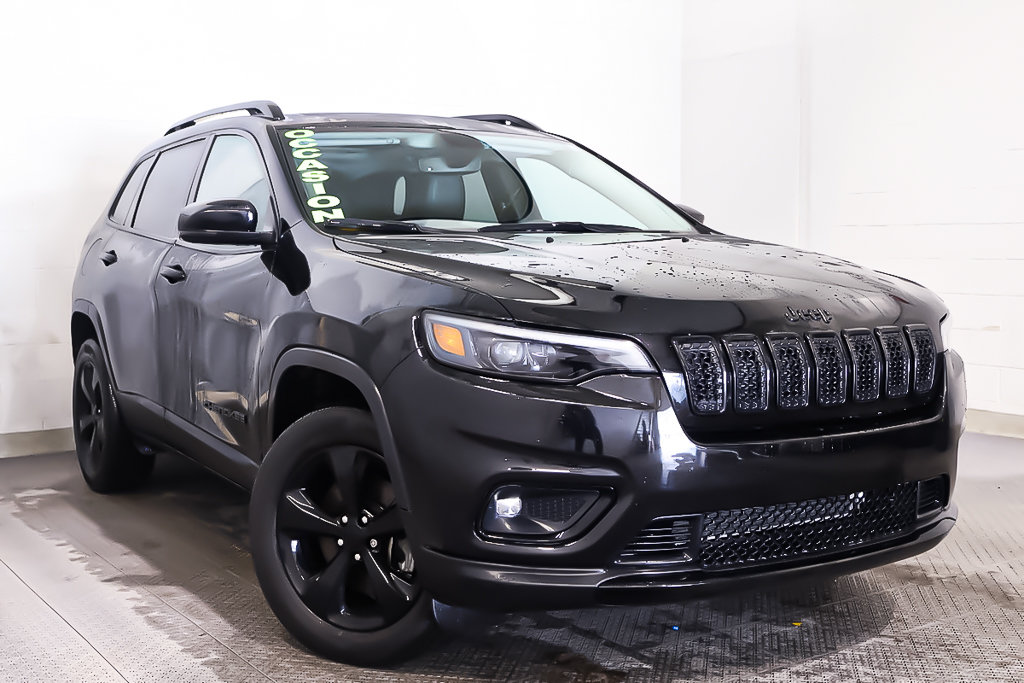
x=503, y=119
x=264, y=108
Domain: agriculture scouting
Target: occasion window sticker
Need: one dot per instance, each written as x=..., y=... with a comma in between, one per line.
x=305, y=151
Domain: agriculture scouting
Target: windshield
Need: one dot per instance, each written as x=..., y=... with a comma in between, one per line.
x=463, y=181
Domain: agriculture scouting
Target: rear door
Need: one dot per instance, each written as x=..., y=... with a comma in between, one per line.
x=132, y=258
x=212, y=306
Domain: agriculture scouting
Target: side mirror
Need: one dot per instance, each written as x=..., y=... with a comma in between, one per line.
x=691, y=212
x=223, y=221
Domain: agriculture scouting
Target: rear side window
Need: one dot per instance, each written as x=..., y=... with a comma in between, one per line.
x=130, y=189
x=234, y=170
x=166, y=190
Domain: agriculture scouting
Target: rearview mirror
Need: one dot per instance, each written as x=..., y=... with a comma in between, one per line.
x=223, y=221
x=691, y=213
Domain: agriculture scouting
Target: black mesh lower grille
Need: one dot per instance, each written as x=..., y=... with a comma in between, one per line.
x=773, y=533
x=752, y=536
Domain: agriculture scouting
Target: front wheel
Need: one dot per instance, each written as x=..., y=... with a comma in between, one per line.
x=329, y=543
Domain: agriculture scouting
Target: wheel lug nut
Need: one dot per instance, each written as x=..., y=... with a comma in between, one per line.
x=363, y=520
x=344, y=519
x=373, y=542
x=341, y=542
x=357, y=557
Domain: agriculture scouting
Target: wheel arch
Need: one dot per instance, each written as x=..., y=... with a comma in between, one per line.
x=86, y=324
x=346, y=371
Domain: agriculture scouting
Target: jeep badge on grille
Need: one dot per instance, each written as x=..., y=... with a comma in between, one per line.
x=795, y=315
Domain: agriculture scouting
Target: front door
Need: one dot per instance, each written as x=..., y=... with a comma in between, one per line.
x=211, y=300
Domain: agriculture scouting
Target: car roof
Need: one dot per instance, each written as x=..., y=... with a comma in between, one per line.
x=249, y=121
x=408, y=121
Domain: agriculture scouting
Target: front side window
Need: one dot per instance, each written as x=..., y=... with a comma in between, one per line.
x=463, y=181
x=234, y=170
x=166, y=190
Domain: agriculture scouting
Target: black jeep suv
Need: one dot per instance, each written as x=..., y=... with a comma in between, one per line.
x=467, y=360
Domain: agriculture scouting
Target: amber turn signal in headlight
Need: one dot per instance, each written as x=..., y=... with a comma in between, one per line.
x=449, y=339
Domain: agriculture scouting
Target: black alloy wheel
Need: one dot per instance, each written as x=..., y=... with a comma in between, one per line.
x=341, y=540
x=106, y=452
x=329, y=542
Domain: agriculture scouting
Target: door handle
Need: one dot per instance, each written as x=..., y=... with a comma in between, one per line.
x=173, y=273
x=109, y=258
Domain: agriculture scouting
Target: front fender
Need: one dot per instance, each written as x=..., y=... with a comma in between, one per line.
x=351, y=372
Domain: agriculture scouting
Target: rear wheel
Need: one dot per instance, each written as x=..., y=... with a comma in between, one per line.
x=329, y=543
x=106, y=453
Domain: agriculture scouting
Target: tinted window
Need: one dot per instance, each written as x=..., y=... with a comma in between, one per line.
x=129, y=191
x=166, y=190
x=234, y=170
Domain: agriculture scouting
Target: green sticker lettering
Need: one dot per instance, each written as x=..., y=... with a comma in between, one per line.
x=323, y=201
x=314, y=177
x=321, y=216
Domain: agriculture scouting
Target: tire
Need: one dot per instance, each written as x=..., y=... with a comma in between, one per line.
x=106, y=451
x=329, y=544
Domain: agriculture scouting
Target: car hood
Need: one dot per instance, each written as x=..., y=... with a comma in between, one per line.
x=655, y=283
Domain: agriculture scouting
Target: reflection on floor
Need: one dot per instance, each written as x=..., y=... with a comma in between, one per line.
x=159, y=585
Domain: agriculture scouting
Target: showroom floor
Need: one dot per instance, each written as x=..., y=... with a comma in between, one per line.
x=159, y=586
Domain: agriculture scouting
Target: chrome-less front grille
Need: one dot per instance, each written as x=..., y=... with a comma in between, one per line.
x=793, y=371
x=830, y=367
x=897, y=361
x=923, y=347
x=705, y=374
x=750, y=372
x=790, y=371
x=866, y=363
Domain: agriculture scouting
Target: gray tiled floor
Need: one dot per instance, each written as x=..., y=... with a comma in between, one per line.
x=159, y=586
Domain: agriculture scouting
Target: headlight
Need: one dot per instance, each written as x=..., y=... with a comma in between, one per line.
x=944, y=330
x=493, y=348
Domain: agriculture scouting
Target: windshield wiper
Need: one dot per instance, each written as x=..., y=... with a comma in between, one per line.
x=357, y=225
x=558, y=226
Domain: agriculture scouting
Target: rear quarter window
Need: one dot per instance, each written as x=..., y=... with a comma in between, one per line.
x=129, y=191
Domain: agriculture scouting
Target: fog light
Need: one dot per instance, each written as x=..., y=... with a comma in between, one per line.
x=527, y=511
x=508, y=507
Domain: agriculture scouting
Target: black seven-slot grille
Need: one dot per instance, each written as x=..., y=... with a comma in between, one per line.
x=725, y=539
x=791, y=370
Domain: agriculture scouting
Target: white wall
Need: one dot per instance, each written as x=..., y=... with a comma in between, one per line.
x=890, y=133
x=85, y=85
x=741, y=116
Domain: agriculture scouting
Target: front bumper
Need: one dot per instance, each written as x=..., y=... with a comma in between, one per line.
x=460, y=436
x=509, y=587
